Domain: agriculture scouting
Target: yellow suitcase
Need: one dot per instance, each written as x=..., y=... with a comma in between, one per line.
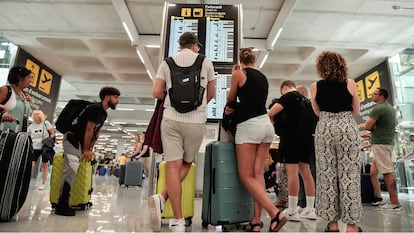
x=82, y=186
x=188, y=193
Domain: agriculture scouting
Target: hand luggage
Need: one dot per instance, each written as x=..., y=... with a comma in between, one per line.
x=367, y=191
x=187, y=196
x=121, y=174
x=225, y=200
x=80, y=195
x=133, y=173
x=15, y=171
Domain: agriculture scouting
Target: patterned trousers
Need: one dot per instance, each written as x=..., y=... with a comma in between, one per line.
x=338, y=168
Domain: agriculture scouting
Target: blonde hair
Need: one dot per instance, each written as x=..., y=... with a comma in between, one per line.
x=41, y=114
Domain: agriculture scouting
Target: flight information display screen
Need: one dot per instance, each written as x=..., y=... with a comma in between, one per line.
x=221, y=39
x=178, y=26
x=216, y=105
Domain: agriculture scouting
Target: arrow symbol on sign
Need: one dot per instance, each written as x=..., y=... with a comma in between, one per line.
x=45, y=79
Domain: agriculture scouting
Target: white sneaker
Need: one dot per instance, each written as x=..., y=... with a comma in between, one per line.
x=299, y=209
x=390, y=207
x=177, y=225
x=292, y=215
x=308, y=213
x=42, y=187
x=156, y=205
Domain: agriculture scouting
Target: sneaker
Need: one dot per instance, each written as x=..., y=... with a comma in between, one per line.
x=378, y=201
x=390, y=207
x=308, y=213
x=42, y=187
x=299, y=209
x=64, y=210
x=292, y=215
x=156, y=205
x=177, y=225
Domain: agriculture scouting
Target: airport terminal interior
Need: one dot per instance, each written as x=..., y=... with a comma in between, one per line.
x=74, y=48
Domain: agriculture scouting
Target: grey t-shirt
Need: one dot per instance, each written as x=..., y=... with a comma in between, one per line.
x=38, y=132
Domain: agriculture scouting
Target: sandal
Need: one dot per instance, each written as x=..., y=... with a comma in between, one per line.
x=328, y=228
x=249, y=227
x=280, y=222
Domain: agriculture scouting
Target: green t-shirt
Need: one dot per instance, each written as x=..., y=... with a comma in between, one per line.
x=383, y=132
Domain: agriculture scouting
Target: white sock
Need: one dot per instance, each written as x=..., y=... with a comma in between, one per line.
x=310, y=202
x=162, y=201
x=293, y=200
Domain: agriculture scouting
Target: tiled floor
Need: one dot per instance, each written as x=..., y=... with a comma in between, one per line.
x=119, y=209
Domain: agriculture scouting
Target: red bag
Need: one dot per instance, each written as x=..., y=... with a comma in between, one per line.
x=153, y=133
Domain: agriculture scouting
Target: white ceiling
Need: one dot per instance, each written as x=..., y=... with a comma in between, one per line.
x=85, y=42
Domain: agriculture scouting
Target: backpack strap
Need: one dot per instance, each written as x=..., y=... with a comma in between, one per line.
x=9, y=93
x=172, y=65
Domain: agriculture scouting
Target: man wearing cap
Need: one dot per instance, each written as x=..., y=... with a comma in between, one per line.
x=182, y=133
x=381, y=123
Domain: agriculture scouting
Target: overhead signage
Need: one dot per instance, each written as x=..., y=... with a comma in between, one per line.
x=44, y=88
x=367, y=83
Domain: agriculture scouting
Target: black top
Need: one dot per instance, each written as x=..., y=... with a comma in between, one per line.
x=147, y=153
x=291, y=107
x=252, y=95
x=333, y=97
x=94, y=113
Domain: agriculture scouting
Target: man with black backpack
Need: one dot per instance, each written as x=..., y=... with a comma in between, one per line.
x=295, y=147
x=79, y=140
x=185, y=76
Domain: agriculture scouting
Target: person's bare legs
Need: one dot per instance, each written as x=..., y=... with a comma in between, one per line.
x=307, y=178
x=374, y=179
x=44, y=172
x=247, y=155
x=391, y=187
x=185, y=167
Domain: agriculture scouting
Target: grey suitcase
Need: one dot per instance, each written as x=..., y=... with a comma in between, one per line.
x=133, y=173
x=225, y=200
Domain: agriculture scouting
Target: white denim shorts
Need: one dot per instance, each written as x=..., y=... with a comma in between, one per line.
x=255, y=130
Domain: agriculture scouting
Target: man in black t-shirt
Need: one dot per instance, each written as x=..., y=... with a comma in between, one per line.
x=79, y=141
x=295, y=150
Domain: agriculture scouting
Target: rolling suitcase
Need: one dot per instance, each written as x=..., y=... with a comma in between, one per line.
x=133, y=173
x=121, y=174
x=187, y=196
x=80, y=194
x=15, y=171
x=367, y=191
x=225, y=200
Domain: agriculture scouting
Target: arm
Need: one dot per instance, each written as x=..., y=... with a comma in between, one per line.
x=211, y=90
x=158, y=90
x=370, y=123
x=88, y=154
x=137, y=149
x=232, y=96
x=315, y=105
x=276, y=108
x=355, y=98
x=143, y=151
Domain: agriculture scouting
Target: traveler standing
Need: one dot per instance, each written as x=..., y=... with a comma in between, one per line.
x=145, y=154
x=381, y=123
x=78, y=143
x=295, y=150
x=16, y=102
x=40, y=129
x=254, y=135
x=337, y=144
x=182, y=133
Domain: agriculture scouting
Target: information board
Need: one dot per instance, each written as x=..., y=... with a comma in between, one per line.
x=179, y=25
x=220, y=42
x=216, y=105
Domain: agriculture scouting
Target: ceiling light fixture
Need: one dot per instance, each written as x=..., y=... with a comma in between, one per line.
x=276, y=37
x=149, y=74
x=397, y=8
x=264, y=60
x=125, y=109
x=140, y=57
x=128, y=32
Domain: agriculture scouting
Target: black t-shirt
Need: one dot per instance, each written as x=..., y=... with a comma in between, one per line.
x=291, y=106
x=147, y=153
x=94, y=113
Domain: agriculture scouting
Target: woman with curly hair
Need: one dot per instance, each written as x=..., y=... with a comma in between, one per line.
x=335, y=100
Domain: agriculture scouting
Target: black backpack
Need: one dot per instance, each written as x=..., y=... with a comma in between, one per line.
x=280, y=121
x=307, y=118
x=70, y=112
x=186, y=93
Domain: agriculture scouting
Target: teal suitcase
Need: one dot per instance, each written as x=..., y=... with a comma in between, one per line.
x=225, y=200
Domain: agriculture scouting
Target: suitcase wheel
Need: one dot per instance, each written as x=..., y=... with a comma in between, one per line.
x=204, y=224
x=188, y=221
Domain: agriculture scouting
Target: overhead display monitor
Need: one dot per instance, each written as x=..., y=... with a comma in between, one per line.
x=220, y=42
x=216, y=105
x=179, y=25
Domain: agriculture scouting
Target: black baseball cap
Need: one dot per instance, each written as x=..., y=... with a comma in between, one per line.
x=189, y=38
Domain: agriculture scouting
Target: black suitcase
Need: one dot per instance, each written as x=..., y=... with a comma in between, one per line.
x=121, y=174
x=367, y=191
x=15, y=171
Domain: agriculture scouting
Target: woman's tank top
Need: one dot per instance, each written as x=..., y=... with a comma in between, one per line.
x=20, y=112
x=333, y=97
x=252, y=95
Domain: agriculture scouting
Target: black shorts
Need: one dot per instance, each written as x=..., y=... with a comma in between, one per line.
x=36, y=154
x=294, y=151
